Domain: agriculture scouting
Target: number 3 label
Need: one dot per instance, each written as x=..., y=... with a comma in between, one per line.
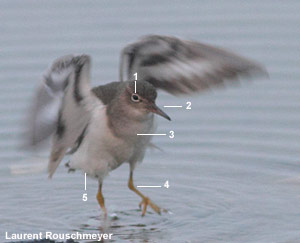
x=172, y=134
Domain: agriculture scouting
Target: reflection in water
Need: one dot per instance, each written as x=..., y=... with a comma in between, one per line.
x=120, y=224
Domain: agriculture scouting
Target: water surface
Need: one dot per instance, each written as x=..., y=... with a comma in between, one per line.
x=233, y=166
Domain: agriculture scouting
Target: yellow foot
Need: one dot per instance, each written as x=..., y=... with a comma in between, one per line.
x=145, y=202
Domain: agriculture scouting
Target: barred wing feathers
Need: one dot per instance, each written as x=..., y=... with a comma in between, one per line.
x=183, y=67
x=65, y=88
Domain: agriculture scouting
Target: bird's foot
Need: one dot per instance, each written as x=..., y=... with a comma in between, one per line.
x=145, y=202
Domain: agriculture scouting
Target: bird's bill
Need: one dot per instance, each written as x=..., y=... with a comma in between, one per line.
x=155, y=109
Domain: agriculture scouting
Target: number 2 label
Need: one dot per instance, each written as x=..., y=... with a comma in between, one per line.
x=188, y=105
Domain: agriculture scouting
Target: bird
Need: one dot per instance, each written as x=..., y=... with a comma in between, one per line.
x=98, y=126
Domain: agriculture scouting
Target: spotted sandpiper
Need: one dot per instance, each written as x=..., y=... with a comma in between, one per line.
x=99, y=126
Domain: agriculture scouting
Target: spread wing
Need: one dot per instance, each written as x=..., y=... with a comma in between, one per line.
x=183, y=67
x=63, y=105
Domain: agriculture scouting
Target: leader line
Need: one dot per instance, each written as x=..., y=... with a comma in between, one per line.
x=173, y=106
x=148, y=186
x=151, y=134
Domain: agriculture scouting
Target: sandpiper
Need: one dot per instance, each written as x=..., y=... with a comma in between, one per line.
x=99, y=126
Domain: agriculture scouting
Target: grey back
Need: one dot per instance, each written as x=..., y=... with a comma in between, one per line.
x=106, y=93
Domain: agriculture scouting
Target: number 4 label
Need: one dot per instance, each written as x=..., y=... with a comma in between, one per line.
x=166, y=185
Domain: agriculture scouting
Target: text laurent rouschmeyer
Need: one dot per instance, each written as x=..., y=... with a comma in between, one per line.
x=57, y=236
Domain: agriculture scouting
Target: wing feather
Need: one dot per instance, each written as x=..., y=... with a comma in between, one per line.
x=66, y=88
x=183, y=67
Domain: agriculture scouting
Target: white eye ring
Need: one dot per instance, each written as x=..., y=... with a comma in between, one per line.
x=135, y=98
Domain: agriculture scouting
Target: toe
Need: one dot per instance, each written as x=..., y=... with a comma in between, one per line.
x=144, y=209
x=145, y=202
x=155, y=208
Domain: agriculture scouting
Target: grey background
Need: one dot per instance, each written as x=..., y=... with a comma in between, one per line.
x=233, y=166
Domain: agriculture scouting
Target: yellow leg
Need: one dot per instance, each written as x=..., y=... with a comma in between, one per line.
x=145, y=200
x=100, y=199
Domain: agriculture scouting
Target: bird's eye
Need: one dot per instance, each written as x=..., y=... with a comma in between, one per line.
x=135, y=98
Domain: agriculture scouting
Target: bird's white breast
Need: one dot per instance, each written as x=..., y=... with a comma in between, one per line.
x=102, y=151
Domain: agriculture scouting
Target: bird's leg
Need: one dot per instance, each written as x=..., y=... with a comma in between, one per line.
x=100, y=199
x=145, y=200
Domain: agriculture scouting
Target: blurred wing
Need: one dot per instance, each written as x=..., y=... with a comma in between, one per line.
x=183, y=67
x=64, y=103
x=47, y=101
x=43, y=114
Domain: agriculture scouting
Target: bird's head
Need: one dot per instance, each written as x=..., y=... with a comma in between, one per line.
x=143, y=100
